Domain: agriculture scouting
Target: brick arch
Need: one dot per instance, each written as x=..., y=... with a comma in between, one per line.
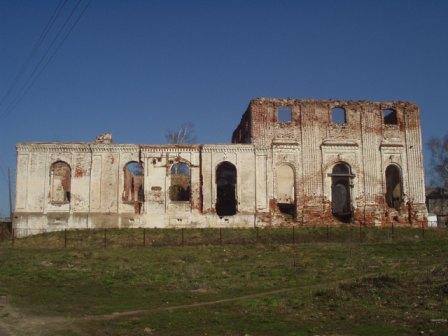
x=60, y=182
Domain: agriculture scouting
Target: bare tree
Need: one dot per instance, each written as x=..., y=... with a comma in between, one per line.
x=184, y=134
x=438, y=148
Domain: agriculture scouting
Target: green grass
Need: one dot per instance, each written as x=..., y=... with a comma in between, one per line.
x=341, y=287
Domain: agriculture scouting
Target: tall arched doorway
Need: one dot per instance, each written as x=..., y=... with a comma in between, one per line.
x=394, y=187
x=226, y=203
x=133, y=186
x=341, y=204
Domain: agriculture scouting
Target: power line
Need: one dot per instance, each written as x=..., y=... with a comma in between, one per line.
x=24, y=89
x=2, y=169
x=34, y=49
x=36, y=71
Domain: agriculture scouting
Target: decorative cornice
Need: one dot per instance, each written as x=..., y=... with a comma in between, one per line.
x=339, y=143
x=114, y=148
x=87, y=147
x=228, y=148
x=170, y=148
x=387, y=144
x=52, y=147
x=291, y=146
x=129, y=148
x=282, y=142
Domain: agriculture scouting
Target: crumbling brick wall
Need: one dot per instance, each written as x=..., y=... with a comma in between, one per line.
x=286, y=173
x=365, y=141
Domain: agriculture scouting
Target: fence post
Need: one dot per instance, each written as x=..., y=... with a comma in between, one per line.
x=12, y=236
x=65, y=238
x=328, y=233
x=293, y=235
x=256, y=229
x=144, y=237
x=105, y=238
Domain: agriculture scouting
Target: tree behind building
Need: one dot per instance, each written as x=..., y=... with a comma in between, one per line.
x=184, y=134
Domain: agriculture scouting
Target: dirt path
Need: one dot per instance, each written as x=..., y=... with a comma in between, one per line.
x=185, y=306
x=3, y=332
x=15, y=323
x=211, y=303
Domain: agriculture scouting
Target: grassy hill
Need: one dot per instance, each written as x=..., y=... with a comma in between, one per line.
x=228, y=283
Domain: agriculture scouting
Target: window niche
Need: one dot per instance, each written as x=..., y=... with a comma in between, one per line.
x=284, y=114
x=60, y=183
x=133, y=192
x=180, y=189
x=338, y=115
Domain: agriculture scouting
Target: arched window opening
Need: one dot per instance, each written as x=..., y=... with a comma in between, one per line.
x=226, y=203
x=284, y=114
x=341, y=204
x=338, y=115
x=286, y=190
x=133, y=189
x=390, y=117
x=341, y=169
x=180, y=182
x=60, y=183
x=394, y=189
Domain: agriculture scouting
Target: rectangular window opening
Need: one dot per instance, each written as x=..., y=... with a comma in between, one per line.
x=284, y=114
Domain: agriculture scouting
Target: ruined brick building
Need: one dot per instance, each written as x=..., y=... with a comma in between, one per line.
x=291, y=162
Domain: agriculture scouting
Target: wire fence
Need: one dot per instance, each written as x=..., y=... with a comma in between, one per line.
x=146, y=237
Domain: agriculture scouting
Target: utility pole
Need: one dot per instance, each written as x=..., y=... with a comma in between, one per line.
x=10, y=194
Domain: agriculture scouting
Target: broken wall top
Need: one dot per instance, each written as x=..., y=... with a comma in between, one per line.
x=261, y=124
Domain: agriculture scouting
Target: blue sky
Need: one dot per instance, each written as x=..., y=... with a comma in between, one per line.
x=135, y=68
